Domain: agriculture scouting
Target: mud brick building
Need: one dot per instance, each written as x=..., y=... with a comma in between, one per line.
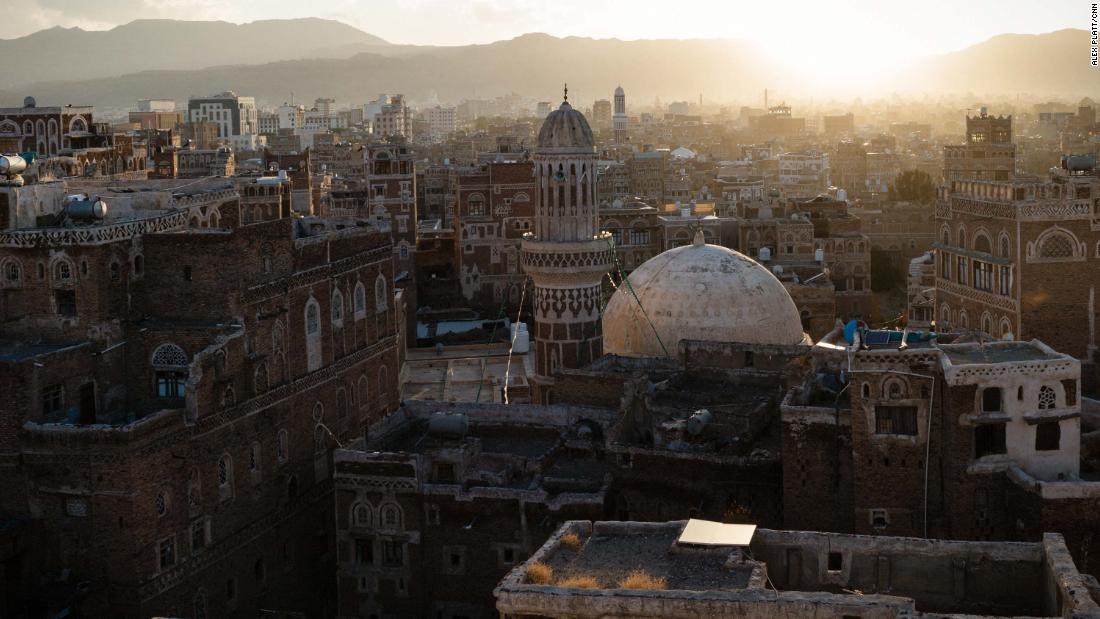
x=962, y=440
x=437, y=507
x=1020, y=257
x=47, y=130
x=176, y=370
x=495, y=207
x=583, y=572
x=987, y=154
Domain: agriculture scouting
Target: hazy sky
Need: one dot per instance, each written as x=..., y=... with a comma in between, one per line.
x=820, y=30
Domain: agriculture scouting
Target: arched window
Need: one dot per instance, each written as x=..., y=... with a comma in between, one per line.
x=225, y=476
x=254, y=458
x=964, y=320
x=12, y=273
x=360, y=300
x=278, y=337
x=313, y=335
x=229, y=397
x=116, y=272
x=170, y=370
x=139, y=265
x=266, y=257
x=1047, y=398
x=259, y=378
x=162, y=502
x=281, y=446
x=362, y=392
x=961, y=238
x=320, y=440
x=194, y=490
x=1006, y=327
x=987, y=323
x=1004, y=246
x=362, y=516
x=337, y=307
x=62, y=271
x=982, y=242
x=389, y=515
x=1056, y=245
x=894, y=389
x=383, y=382
x=380, y=296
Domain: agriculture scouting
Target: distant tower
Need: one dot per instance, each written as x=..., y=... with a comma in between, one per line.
x=618, y=120
x=567, y=255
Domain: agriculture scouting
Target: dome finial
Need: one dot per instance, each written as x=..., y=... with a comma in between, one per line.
x=699, y=238
x=565, y=97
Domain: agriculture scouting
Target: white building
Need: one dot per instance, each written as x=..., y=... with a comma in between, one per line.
x=803, y=174
x=232, y=114
x=291, y=116
x=393, y=118
x=156, y=105
x=441, y=122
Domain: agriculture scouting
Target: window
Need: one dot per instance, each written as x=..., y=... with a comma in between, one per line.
x=341, y=404
x=380, y=301
x=393, y=553
x=362, y=516
x=895, y=389
x=259, y=378
x=359, y=299
x=162, y=502
x=313, y=319
x=390, y=515
x=281, y=446
x=319, y=442
x=880, y=518
x=63, y=271
x=362, y=392
x=259, y=570
x=199, y=536
x=836, y=562
x=1056, y=245
x=115, y=272
x=53, y=400
x=225, y=476
x=898, y=420
x=989, y=439
x=1047, y=398
x=364, y=551
x=639, y=236
x=231, y=591
x=991, y=400
x=194, y=490
x=313, y=335
x=960, y=271
x=12, y=272
x=454, y=560
x=1004, y=286
x=1048, y=436
x=187, y=273
x=337, y=307
x=66, y=302
x=166, y=553
x=254, y=455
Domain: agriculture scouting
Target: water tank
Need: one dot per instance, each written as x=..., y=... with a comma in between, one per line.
x=86, y=210
x=450, y=424
x=29, y=102
x=521, y=339
x=765, y=254
x=698, y=421
x=1078, y=163
x=841, y=195
x=12, y=164
x=819, y=255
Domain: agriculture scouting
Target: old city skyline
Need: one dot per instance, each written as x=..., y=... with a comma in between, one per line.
x=345, y=327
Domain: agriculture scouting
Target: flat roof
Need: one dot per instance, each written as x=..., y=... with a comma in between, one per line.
x=995, y=352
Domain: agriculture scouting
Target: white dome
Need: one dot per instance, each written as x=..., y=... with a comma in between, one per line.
x=699, y=292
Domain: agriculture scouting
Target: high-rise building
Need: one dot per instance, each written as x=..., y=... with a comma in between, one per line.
x=567, y=256
x=601, y=114
x=233, y=114
x=441, y=122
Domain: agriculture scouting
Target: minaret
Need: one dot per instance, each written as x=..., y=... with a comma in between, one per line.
x=618, y=119
x=567, y=255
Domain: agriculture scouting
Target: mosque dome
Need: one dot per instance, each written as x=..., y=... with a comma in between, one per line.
x=699, y=292
x=566, y=129
x=619, y=91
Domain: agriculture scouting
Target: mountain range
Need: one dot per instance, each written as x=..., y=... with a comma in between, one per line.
x=183, y=59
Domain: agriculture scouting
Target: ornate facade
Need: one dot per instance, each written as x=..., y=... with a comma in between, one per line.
x=567, y=255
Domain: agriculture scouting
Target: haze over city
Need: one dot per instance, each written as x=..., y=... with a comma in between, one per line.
x=549, y=310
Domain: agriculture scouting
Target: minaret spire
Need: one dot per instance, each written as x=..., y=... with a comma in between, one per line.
x=566, y=95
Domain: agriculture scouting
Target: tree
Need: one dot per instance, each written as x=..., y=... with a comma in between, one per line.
x=913, y=186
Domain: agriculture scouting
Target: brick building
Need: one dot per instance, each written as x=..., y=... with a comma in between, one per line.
x=46, y=130
x=1019, y=257
x=987, y=154
x=436, y=508
x=196, y=356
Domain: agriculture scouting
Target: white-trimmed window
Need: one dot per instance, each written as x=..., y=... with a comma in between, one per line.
x=337, y=308
x=362, y=516
x=166, y=553
x=225, y=477
x=281, y=446
x=170, y=370
x=360, y=300
x=381, y=303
